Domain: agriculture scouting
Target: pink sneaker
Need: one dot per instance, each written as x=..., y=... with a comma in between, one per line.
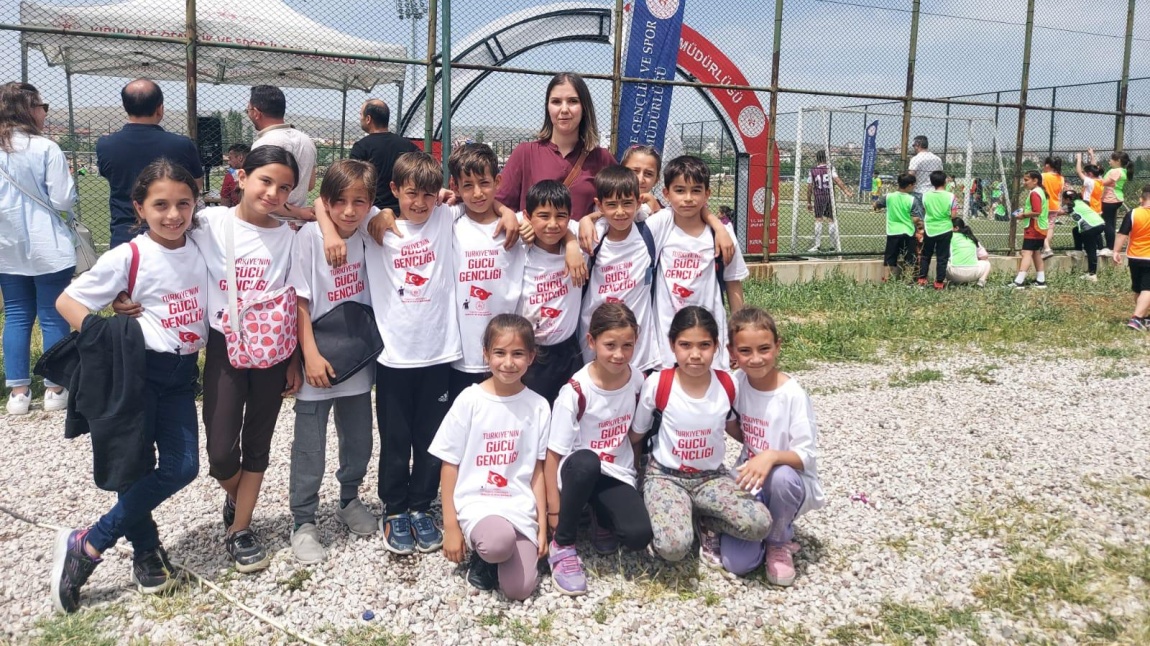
x=780, y=566
x=709, y=547
x=793, y=547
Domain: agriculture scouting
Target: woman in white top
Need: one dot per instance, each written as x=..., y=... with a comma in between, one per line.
x=37, y=252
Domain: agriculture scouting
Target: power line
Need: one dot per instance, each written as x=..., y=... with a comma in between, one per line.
x=973, y=19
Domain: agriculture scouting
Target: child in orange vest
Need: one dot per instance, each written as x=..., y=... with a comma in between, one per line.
x=1134, y=239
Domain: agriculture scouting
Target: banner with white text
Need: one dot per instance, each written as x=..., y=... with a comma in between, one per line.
x=652, y=49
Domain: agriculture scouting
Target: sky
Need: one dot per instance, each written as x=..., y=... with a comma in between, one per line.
x=833, y=46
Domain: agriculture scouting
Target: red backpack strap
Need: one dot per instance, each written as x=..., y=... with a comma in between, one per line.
x=663, y=391
x=581, y=398
x=134, y=268
x=728, y=384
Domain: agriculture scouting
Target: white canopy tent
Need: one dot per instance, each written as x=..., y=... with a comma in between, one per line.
x=262, y=23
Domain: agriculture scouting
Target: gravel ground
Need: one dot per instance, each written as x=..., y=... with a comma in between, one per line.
x=968, y=463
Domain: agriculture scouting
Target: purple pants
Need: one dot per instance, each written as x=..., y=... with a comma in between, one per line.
x=497, y=541
x=783, y=494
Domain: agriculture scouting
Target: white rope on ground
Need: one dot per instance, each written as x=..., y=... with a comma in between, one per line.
x=192, y=574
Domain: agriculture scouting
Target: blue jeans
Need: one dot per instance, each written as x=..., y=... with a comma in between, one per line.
x=171, y=418
x=25, y=299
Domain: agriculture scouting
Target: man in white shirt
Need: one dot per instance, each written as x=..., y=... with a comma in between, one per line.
x=923, y=164
x=266, y=109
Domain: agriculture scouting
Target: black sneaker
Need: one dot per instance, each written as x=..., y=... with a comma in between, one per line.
x=71, y=567
x=481, y=574
x=229, y=513
x=1040, y=284
x=152, y=572
x=247, y=551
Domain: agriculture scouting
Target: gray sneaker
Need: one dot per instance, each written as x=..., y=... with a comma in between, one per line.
x=306, y=546
x=358, y=518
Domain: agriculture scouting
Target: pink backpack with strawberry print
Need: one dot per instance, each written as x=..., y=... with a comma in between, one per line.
x=266, y=330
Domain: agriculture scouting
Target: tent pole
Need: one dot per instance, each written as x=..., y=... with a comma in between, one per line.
x=190, y=58
x=399, y=112
x=445, y=86
x=71, y=109
x=429, y=104
x=343, y=123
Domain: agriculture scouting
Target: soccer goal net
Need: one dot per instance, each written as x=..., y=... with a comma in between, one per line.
x=842, y=162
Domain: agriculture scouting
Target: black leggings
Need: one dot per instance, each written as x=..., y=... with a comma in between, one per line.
x=935, y=246
x=617, y=505
x=1088, y=242
x=1110, y=221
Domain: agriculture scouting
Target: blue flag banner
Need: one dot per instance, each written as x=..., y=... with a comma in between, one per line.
x=870, y=151
x=652, y=49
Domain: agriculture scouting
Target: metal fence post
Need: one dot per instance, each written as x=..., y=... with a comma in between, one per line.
x=445, y=87
x=616, y=75
x=1120, y=120
x=429, y=103
x=908, y=101
x=1053, y=107
x=343, y=121
x=946, y=136
x=1021, y=133
x=23, y=60
x=190, y=61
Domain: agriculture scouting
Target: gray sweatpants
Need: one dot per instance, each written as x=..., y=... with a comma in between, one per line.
x=353, y=415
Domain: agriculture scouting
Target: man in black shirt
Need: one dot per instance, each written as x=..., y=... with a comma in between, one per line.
x=121, y=155
x=380, y=148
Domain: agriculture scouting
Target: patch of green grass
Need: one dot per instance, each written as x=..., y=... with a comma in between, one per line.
x=984, y=374
x=850, y=635
x=899, y=544
x=1106, y=631
x=372, y=635
x=915, y=378
x=838, y=319
x=667, y=579
x=521, y=632
x=1115, y=352
x=77, y=629
x=492, y=619
x=910, y=621
x=711, y=598
x=1113, y=372
x=297, y=581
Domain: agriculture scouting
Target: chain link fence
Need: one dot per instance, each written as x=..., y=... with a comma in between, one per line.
x=950, y=70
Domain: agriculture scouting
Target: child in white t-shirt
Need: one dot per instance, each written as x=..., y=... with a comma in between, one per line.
x=166, y=275
x=688, y=267
x=550, y=299
x=492, y=444
x=589, y=457
x=779, y=462
x=488, y=275
x=645, y=162
x=622, y=264
x=347, y=193
x=686, y=408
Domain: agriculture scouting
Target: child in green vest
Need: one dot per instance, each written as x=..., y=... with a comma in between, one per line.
x=1087, y=230
x=937, y=205
x=901, y=208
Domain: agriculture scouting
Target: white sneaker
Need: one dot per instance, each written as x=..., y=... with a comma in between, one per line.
x=18, y=404
x=1090, y=277
x=1105, y=253
x=813, y=250
x=55, y=401
x=306, y=546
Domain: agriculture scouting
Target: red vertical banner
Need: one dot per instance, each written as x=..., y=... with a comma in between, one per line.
x=744, y=112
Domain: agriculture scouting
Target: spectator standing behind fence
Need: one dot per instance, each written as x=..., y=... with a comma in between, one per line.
x=266, y=109
x=1052, y=184
x=37, y=257
x=923, y=164
x=121, y=155
x=230, y=188
x=380, y=148
x=567, y=149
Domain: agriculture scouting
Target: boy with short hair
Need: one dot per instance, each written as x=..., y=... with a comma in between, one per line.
x=901, y=208
x=230, y=189
x=347, y=192
x=1052, y=184
x=937, y=206
x=488, y=276
x=1133, y=239
x=1036, y=211
x=549, y=299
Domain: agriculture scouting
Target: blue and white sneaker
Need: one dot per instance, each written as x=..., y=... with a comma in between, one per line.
x=428, y=538
x=397, y=537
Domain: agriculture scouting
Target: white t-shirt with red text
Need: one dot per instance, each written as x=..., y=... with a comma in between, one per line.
x=687, y=277
x=603, y=428
x=412, y=289
x=324, y=287
x=171, y=286
x=263, y=258
x=496, y=442
x=549, y=300
x=488, y=280
x=693, y=435
x=780, y=420
x=623, y=272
